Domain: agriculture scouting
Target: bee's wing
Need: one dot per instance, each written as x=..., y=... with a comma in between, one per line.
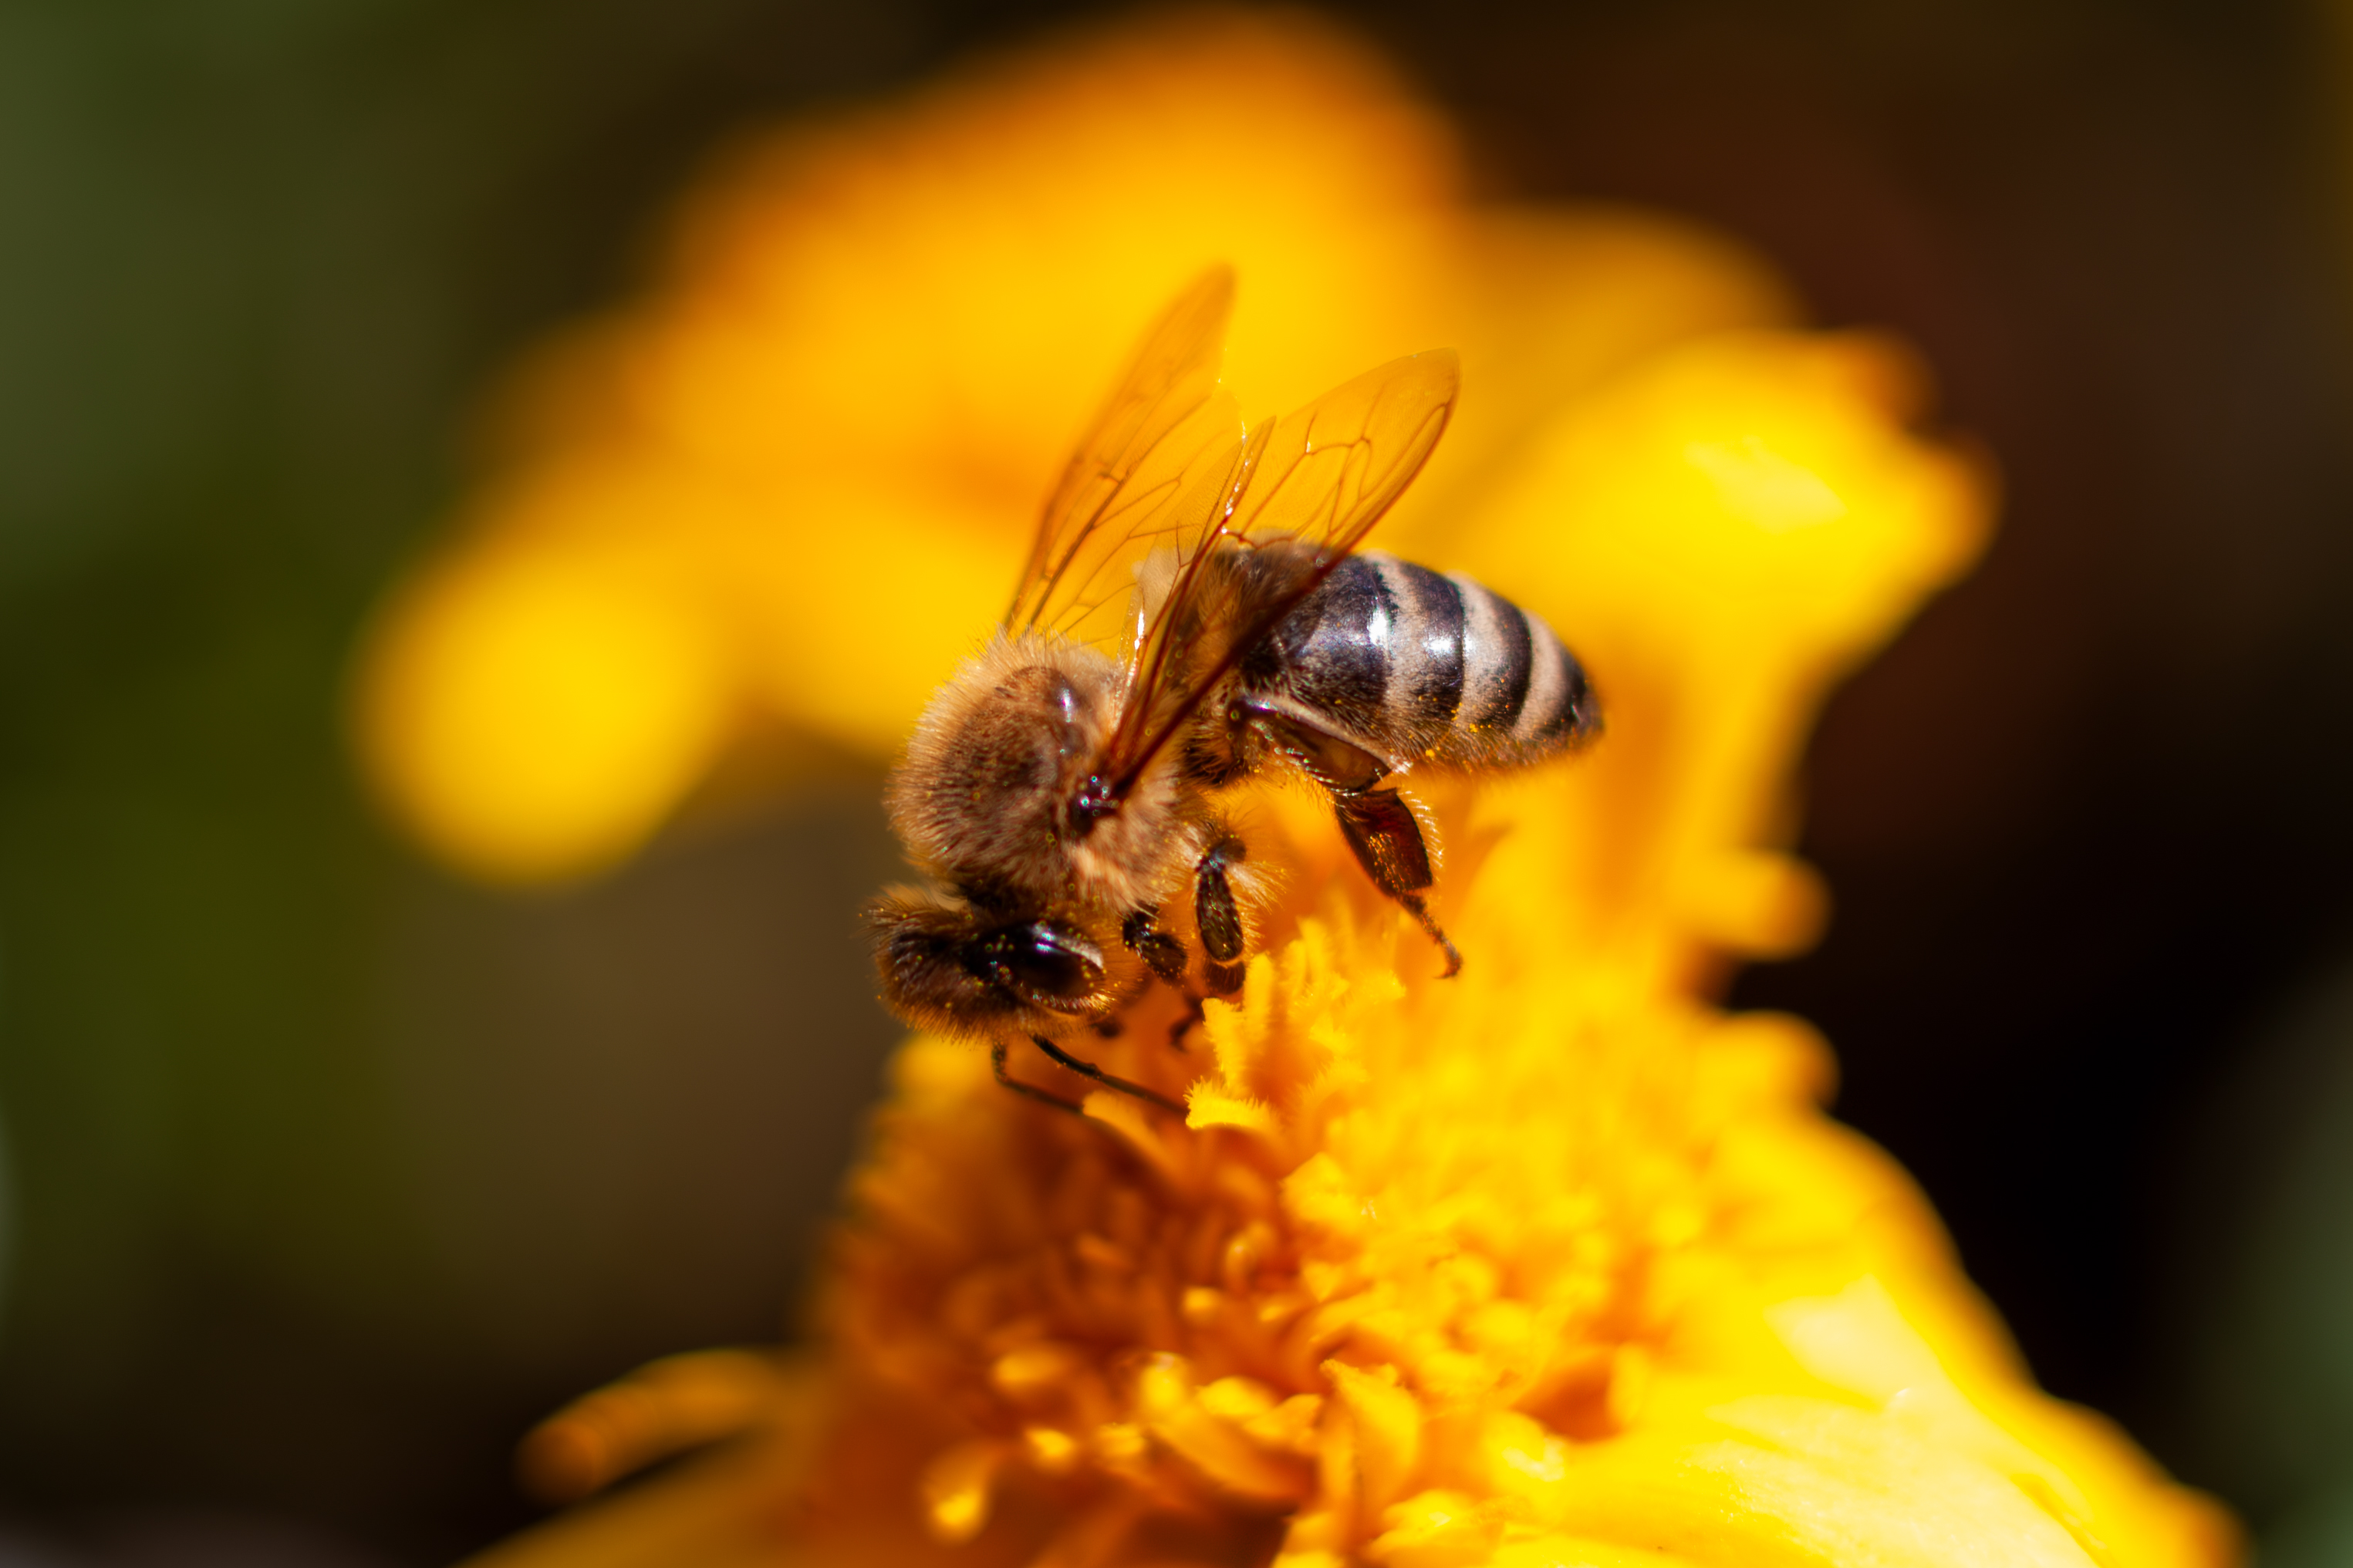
x=1164, y=443
x=1321, y=478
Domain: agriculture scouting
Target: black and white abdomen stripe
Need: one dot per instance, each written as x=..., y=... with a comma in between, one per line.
x=1485, y=683
x=1432, y=669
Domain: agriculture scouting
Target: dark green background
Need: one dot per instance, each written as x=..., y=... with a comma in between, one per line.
x=327, y=1175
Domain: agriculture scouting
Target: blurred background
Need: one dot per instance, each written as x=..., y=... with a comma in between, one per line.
x=325, y=1174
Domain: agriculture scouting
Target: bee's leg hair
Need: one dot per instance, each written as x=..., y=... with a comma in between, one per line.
x=1382, y=829
x=1420, y=912
x=996, y=1060
x=1219, y=916
x=1089, y=1069
x=1166, y=958
x=1163, y=953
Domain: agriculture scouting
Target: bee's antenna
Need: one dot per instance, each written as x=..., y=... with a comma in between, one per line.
x=996, y=1060
x=1089, y=1069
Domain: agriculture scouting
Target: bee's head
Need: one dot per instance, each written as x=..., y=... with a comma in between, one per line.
x=950, y=967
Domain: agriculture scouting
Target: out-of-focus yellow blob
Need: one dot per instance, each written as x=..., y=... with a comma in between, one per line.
x=1788, y=453
x=534, y=713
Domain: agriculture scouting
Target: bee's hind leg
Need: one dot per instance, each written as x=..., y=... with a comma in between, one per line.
x=1420, y=912
x=1383, y=831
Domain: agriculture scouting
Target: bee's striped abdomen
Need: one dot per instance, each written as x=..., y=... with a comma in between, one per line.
x=1428, y=667
x=1525, y=696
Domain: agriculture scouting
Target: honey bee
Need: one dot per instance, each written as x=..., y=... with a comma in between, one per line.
x=1192, y=615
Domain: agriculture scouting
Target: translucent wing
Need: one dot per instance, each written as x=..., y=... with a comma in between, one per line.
x=1305, y=491
x=1155, y=460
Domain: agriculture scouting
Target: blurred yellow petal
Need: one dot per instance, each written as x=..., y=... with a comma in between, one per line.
x=534, y=712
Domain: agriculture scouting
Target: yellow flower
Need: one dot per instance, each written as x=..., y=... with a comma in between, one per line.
x=1552, y=1263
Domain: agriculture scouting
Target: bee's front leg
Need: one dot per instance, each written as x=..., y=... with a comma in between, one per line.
x=1193, y=1014
x=1166, y=958
x=1383, y=831
x=1163, y=953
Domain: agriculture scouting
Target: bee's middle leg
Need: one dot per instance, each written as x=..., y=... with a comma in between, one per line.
x=1382, y=829
x=1218, y=915
x=1220, y=920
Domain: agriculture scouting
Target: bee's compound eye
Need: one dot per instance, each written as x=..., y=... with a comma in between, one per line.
x=1044, y=963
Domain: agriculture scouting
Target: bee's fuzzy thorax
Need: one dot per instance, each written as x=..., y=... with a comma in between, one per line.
x=979, y=796
x=982, y=798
